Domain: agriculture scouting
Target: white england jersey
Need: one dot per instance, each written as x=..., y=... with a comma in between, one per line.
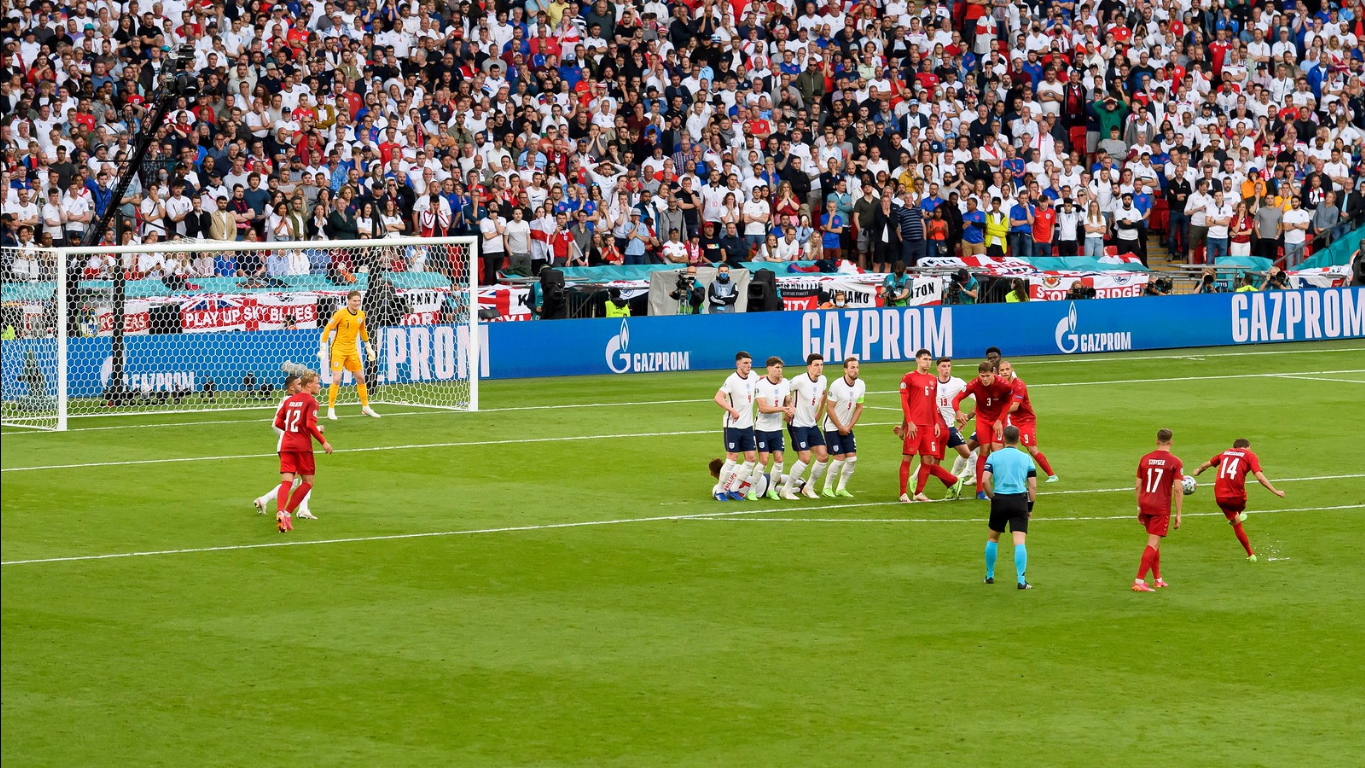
x=947, y=390
x=776, y=395
x=279, y=443
x=740, y=393
x=808, y=394
x=843, y=399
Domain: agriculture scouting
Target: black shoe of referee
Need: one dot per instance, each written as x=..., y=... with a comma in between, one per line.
x=1025, y=585
x=990, y=580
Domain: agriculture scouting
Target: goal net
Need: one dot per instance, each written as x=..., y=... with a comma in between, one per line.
x=80, y=341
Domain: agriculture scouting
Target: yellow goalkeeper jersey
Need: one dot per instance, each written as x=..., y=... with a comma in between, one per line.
x=347, y=325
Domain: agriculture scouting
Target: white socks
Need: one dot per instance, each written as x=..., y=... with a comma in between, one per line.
x=849, y=464
x=836, y=468
x=798, y=469
x=816, y=471
x=755, y=475
x=727, y=475
x=743, y=476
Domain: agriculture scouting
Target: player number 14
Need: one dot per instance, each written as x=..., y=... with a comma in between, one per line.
x=1229, y=469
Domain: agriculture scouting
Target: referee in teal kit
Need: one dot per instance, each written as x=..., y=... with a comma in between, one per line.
x=1011, y=483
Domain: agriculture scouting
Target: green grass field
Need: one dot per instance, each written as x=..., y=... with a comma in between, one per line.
x=546, y=582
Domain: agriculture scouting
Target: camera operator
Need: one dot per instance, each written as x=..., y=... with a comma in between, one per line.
x=1080, y=290
x=1207, y=282
x=686, y=292
x=1275, y=280
x=961, y=289
x=897, y=286
x=721, y=294
x=1160, y=286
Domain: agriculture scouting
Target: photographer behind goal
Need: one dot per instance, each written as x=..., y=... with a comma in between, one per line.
x=962, y=288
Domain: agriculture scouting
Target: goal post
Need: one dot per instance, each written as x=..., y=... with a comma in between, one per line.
x=196, y=344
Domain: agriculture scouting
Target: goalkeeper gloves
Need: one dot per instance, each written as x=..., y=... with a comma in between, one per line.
x=322, y=352
x=369, y=350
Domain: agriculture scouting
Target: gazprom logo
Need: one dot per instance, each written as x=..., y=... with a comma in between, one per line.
x=621, y=360
x=1069, y=341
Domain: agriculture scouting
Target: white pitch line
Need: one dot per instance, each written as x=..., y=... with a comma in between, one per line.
x=1038, y=519
x=1319, y=378
x=620, y=521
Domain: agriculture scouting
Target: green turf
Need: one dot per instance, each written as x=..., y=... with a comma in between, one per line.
x=849, y=632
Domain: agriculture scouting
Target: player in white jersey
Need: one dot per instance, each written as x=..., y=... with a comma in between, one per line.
x=736, y=398
x=773, y=394
x=843, y=408
x=291, y=388
x=808, y=400
x=948, y=388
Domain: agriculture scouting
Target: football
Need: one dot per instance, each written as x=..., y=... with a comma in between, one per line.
x=1189, y=485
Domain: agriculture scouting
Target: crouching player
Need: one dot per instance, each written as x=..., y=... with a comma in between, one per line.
x=297, y=421
x=1230, y=487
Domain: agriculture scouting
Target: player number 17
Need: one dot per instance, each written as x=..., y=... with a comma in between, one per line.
x=1154, y=479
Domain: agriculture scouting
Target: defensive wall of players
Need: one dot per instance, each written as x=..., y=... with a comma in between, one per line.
x=167, y=363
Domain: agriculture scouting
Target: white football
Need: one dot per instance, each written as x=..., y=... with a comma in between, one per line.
x=1189, y=485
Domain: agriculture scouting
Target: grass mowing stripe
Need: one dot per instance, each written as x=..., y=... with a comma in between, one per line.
x=979, y=520
x=619, y=521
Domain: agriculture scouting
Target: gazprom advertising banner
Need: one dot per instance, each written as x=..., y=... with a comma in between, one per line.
x=184, y=363
x=650, y=344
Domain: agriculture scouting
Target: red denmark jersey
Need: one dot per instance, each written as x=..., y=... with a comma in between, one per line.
x=990, y=401
x=1233, y=466
x=1024, y=414
x=1156, y=472
x=298, y=418
x=919, y=398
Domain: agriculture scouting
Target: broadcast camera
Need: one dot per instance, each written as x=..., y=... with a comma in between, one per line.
x=686, y=292
x=1276, y=280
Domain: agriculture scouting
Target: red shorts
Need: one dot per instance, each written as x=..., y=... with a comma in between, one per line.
x=1231, y=507
x=924, y=443
x=297, y=462
x=985, y=433
x=1028, y=433
x=1157, y=525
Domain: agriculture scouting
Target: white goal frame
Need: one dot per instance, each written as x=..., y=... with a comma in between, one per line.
x=63, y=260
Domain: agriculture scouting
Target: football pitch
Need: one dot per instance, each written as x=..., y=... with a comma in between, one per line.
x=547, y=582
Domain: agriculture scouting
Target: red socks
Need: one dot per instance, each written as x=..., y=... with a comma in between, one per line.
x=1156, y=564
x=948, y=478
x=1242, y=537
x=299, y=493
x=905, y=474
x=1149, y=557
x=980, y=466
x=1042, y=463
x=282, y=496
x=924, y=472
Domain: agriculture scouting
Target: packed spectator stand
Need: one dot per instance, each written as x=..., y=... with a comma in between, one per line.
x=942, y=136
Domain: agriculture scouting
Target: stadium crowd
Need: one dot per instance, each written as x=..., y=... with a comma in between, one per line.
x=694, y=132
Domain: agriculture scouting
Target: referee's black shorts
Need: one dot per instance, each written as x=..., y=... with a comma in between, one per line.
x=1011, y=508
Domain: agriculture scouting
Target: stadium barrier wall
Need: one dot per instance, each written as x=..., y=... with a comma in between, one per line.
x=184, y=362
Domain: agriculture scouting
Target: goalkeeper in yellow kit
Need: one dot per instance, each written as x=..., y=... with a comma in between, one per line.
x=348, y=323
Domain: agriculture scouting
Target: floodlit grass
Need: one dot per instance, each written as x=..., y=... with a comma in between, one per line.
x=855, y=632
